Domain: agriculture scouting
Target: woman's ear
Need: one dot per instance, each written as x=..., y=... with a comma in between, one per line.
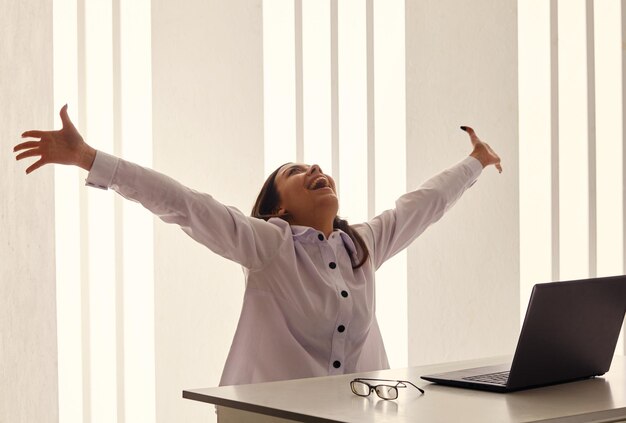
x=282, y=212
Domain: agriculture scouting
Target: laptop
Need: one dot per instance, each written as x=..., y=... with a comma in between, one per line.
x=569, y=333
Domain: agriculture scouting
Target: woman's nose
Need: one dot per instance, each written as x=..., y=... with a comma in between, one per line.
x=315, y=169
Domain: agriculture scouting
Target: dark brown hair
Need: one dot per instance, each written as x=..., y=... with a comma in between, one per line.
x=268, y=201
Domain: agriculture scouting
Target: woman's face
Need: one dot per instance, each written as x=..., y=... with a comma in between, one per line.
x=306, y=192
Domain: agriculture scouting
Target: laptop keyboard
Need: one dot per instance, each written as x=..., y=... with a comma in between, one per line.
x=494, y=378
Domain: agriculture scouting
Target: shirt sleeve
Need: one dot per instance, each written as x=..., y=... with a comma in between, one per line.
x=394, y=229
x=225, y=230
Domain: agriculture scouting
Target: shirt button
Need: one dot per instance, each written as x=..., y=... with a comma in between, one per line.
x=344, y=294
x=341, y=328
x=320, y=237
x=332, y=265
x=337, y=364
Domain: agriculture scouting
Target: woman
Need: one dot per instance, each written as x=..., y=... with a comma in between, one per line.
x=309, y=307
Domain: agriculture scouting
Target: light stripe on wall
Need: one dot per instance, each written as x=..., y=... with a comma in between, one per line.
x=137, y=245
x=371, y=115
x=334, y=88
x=609, y=148
x=623, y=127
x=317, y=110
x=298, y=75
x=67, y=222
x=591, y=136
x=573, y=142
x=101, y=225
x=535, y=147
x=389, y=158
x=118, y=217
x=352, y=90
x=279, y=83
x=81, y=47
x=554, y=137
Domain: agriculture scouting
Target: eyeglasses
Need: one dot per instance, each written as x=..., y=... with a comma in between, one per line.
x=386, y=391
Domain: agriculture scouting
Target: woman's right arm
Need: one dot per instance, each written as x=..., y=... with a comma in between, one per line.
x=223, y=229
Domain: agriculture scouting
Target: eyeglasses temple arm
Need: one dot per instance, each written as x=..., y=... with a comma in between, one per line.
x=418, y=388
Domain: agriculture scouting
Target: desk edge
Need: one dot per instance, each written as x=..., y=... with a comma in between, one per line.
x=268, y=411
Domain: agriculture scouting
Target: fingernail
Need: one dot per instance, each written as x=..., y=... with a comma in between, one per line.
x=464, y=128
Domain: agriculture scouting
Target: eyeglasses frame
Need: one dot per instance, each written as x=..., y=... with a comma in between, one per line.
x=399, y=384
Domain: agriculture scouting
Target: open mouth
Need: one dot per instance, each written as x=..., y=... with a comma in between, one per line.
x=319, y=183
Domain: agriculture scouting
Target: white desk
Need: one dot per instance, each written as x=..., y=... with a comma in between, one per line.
x=329, y=399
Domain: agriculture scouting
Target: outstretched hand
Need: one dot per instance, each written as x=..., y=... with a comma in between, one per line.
x=482, y=151
x=65, y=146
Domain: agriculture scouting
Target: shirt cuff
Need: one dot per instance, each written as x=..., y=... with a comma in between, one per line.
x=474, y=167
x=474, y=164
x=102, y=171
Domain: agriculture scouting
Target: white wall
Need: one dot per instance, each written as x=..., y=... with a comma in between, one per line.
x=28, y=349
x=208, y=133
x=463, y=288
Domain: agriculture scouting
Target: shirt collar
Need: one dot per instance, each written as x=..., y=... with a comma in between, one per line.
x=311, y=234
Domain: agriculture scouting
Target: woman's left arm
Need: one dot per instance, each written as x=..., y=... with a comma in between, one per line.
x=393, y=230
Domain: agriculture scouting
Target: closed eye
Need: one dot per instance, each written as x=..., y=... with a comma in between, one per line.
x=293, y=170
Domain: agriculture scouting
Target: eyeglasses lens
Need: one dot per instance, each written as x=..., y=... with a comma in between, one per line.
x=360, y=388
x=387, y=392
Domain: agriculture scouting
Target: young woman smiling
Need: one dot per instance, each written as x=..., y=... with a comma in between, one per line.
x=309, y=304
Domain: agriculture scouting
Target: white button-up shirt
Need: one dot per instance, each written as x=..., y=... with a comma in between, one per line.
x=306, y=311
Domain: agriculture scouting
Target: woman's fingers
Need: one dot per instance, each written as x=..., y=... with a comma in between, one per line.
x=28, y=153
x=65, y=119
x=496, y=158
x=32, y=150
x=25, y=145
x=472, y=134
x=35, y=165
x=482, y=151
x=34, y=134
x=52, y=146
